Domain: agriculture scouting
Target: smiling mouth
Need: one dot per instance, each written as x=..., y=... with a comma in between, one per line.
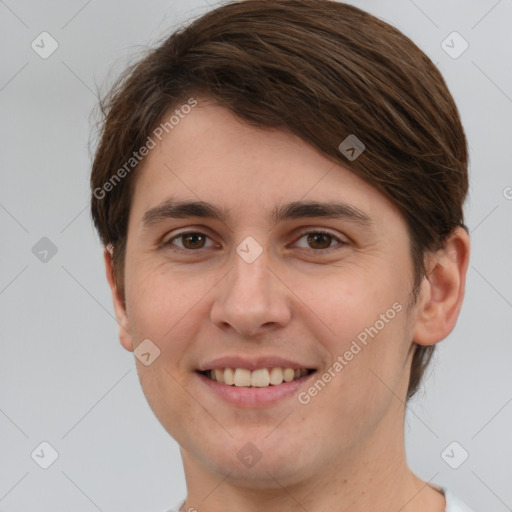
x=260, y=378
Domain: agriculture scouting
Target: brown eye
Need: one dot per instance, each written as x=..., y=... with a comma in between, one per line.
x=319, y=240
x=190, y=240
x=193, y=240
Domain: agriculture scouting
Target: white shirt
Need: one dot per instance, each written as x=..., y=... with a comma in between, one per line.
x=453, y=504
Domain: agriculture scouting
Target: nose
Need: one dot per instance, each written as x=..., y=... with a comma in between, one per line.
x=251, y=298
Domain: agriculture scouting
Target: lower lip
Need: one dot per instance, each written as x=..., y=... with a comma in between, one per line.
x=255, y=397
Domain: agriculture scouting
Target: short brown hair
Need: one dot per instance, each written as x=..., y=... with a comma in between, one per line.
x=322, y=70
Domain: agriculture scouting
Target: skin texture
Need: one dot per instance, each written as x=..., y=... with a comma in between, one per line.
x=344, y=450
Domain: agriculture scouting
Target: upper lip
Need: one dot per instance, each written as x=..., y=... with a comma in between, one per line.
x=251, y=363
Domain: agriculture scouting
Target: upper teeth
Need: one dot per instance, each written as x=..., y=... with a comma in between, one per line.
x=258, y=378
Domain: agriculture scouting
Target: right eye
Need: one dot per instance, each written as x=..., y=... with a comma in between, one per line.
x=191, y=241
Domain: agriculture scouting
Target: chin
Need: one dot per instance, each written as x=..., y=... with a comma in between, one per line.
x=259, y=463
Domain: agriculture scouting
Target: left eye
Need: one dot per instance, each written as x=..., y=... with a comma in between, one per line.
x=319, y=237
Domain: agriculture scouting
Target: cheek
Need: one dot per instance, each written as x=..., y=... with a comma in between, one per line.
x=161, y=308
x=160, y=300
x=347, y=300
x=367, y=339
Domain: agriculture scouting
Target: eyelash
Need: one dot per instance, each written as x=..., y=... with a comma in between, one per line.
x=342, y=243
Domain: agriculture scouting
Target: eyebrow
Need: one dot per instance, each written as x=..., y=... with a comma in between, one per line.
x=174, y=209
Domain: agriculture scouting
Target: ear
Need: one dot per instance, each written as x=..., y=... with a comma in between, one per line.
x=119, y=307
x=442, y=290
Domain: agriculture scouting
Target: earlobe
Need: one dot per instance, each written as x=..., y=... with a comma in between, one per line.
x=119, y=306
x=442, y=290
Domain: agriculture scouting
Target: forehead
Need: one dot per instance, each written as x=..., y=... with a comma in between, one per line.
x=214, y=165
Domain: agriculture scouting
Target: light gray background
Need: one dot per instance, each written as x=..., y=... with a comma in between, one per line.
x=64, y=377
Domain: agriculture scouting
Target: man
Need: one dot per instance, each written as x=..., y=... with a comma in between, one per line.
x=279, y=189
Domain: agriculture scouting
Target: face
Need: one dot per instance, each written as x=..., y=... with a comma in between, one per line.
x=267, y=285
